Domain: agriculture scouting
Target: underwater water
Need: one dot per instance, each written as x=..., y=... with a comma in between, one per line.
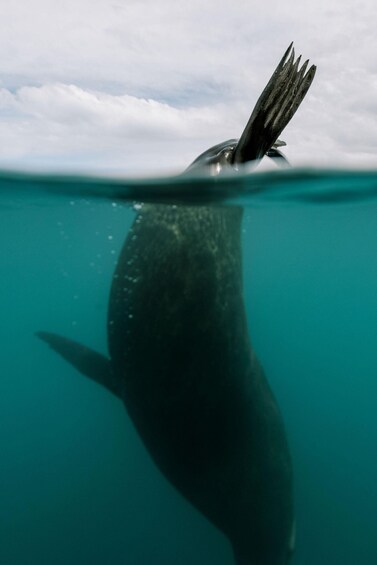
x=76, y=483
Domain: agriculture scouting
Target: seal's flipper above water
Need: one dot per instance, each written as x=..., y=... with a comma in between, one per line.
x=87, y=361
x=276, y=105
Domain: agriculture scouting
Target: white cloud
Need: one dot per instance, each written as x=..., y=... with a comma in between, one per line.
x=68, y=122
x=148, y=84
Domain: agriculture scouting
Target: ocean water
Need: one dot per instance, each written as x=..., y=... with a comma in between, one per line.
x=76, y=483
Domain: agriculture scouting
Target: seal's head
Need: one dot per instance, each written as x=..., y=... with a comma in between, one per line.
x=220, y=157
x=275, y=107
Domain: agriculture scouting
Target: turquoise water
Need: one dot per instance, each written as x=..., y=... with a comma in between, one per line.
x=76, y=483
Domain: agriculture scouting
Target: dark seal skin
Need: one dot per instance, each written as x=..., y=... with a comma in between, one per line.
x=180, y=355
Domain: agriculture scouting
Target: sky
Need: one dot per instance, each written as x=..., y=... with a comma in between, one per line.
x=136, y=87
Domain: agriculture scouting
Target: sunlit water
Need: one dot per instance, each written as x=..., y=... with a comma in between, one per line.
x=76, y=483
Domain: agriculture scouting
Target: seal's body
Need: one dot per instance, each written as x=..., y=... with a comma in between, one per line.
x=180, y=356
x=196, y=392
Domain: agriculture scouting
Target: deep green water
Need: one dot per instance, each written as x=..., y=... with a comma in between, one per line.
x=76, y=484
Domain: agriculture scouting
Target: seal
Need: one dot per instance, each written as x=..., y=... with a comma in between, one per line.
x=180, y=356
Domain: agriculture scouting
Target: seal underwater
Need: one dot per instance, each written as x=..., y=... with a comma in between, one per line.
x=180, y=356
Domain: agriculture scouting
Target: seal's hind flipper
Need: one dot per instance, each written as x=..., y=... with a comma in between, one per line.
x=275, y=107
x=90, y=363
